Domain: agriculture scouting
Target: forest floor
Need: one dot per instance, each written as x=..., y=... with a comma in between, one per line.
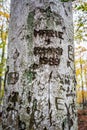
x=82, y=119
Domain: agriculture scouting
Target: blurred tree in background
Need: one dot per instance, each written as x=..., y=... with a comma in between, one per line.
x=4, y=20
x=80, y=35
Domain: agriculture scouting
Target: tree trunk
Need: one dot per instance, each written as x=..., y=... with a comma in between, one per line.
x=40, y=81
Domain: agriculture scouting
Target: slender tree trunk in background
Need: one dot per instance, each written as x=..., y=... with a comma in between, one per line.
x=40, y=82
x=82, y=86
x=0, y=82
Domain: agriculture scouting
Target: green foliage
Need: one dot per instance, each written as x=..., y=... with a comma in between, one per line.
x=82, y=7
x=79, y=29
x=2, y=92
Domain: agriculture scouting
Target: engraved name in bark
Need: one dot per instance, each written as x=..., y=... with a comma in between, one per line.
x=48, y=33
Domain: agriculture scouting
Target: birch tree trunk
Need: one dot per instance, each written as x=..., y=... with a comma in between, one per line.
x=40, y=77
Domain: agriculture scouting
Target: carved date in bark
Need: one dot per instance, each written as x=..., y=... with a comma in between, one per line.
x=13, y=77
x=50, y=61
x=48, y=55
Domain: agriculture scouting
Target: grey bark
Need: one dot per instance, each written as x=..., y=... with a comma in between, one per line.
x=40, y=77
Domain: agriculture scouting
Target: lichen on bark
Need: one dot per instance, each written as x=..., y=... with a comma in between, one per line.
x=40, y=91
x=30, y=26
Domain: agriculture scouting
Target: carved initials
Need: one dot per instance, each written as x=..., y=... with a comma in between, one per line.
x=58, y=103
x=13, y=77
x=70, y=53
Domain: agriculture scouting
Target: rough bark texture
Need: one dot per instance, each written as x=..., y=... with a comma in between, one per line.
x=40, y=77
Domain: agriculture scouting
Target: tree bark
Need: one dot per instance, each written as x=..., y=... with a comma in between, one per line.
x=40, y=81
